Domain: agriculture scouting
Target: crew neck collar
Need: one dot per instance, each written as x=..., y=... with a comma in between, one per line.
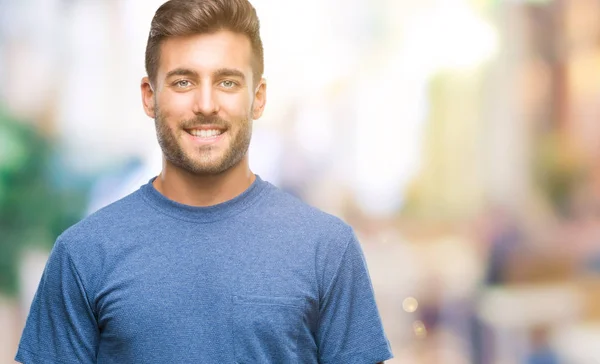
x=202, y=214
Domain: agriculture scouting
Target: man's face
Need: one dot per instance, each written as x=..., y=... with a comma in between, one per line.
x=204, y=100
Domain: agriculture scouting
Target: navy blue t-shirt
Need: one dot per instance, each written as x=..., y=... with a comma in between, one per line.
x=262, y=278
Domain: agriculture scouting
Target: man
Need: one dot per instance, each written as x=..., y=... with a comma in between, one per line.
x=207, y=263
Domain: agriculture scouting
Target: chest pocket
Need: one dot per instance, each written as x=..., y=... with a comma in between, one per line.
x=266, y=329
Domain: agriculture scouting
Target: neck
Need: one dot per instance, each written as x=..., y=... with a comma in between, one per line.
x=187, y=188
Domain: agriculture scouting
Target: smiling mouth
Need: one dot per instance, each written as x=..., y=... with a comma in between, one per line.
x=205, y=133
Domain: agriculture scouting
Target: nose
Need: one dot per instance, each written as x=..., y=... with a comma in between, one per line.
x=205, y=102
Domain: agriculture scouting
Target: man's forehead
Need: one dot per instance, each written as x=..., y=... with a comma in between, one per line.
x=206, y=52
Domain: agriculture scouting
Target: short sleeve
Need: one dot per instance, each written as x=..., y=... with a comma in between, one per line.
x=61, y=326
x=350, y=329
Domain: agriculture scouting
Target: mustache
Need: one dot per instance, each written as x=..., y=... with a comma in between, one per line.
x=201, y=120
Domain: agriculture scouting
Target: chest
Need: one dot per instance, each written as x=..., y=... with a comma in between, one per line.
x=208, y=296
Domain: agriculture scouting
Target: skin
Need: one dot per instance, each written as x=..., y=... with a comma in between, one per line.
x=204, y=81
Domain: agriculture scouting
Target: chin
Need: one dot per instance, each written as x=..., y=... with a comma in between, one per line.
x=204, y=168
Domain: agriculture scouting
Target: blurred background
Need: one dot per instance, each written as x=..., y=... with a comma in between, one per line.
x=458, y=137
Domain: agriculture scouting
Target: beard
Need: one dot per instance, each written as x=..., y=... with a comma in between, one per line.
x=203, y=160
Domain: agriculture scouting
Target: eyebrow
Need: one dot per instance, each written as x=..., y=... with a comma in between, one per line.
x=229, y=72
x=182, y=72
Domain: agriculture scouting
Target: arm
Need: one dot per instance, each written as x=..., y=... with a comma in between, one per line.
x=350, y=329
x=61, y=324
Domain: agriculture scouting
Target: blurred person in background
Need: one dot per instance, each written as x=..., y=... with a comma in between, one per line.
x=542, y=352
x=206, y=262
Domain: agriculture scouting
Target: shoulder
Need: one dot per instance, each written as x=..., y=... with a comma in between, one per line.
x=91, y=230
x=288, y=206
x=297, y=215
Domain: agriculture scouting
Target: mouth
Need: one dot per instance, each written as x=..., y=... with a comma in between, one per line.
x=206, y=134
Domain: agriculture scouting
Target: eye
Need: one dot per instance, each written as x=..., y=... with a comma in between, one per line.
x=228, y=84
x=183, y=83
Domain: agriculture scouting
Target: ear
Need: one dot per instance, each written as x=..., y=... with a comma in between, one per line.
x=148, y=97
x=260, y=99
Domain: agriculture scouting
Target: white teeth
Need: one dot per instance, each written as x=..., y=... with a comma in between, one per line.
x=205, y=133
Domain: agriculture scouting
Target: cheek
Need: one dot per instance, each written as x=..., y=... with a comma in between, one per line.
x=236, y=106
x=175, y=106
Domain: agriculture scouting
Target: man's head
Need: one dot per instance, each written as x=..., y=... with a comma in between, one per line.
x=204, y=60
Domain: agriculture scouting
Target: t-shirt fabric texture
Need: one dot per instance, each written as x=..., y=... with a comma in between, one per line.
x=261, y=278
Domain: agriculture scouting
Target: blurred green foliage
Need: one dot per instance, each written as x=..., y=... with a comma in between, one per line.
x=34, y=206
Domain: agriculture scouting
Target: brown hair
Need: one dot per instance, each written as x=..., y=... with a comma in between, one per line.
x=188, y=17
